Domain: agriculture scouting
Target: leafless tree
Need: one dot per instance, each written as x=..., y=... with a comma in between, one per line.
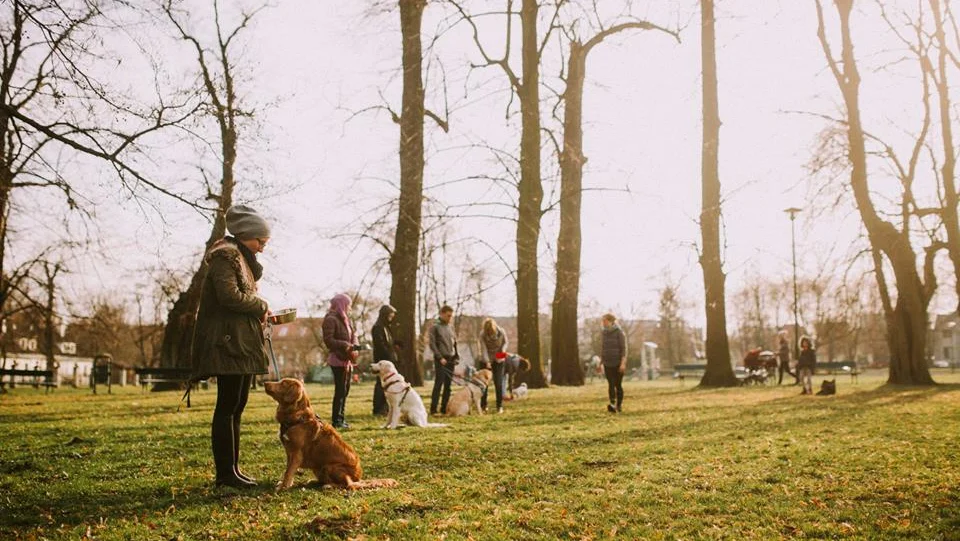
x=526, y=86
x=906, y=316
x=672, y=329
x=719, y=372
x=217, y=82
x=53, y=104
x=565, y=352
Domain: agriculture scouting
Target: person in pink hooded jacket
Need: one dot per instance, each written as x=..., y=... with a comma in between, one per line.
x=341, y=340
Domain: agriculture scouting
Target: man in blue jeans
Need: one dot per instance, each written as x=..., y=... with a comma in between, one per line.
x=443, y=344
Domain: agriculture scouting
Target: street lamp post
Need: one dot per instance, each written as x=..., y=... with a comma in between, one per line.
x=792, y=211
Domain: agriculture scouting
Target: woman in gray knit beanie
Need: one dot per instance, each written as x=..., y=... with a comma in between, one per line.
x=245, y=224
x=228, y=339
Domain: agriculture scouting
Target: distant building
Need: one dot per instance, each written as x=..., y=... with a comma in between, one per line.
x=944, y=340
x=298, y=346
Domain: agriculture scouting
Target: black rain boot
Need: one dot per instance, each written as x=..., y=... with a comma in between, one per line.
x=223, y=454
x=236, y=453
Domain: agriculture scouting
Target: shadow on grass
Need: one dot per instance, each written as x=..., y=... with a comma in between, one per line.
x=884, y=395
x=144, y=501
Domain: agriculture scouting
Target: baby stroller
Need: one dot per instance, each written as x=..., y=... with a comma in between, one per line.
x=761, y=366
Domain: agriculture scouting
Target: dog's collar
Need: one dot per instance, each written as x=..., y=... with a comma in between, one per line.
x=284, y=427
x=480, y=384
x=391, y=384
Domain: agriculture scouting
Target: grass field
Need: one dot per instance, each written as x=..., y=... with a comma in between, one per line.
x=872, y=462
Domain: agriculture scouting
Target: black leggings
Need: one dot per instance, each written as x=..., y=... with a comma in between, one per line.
x=232, y=394
x=341, y=385
x=614, y=384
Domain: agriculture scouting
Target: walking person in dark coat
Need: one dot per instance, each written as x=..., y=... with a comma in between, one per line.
x=443, y=345
x=783, y=355
x=807, y=364
x=384, y=349
x=228, y=337
x=341, y=341
x=613, y=354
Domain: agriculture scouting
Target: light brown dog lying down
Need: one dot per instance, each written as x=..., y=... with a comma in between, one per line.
x=468, y=398
x=312, y=444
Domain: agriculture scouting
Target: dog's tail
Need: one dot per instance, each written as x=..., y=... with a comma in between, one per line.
x=371, y=483
x=435, y=425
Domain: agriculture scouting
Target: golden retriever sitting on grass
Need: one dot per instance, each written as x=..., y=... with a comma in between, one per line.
x=468, y=397
x=313, y=444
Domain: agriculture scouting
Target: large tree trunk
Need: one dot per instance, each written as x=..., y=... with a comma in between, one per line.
x=564, y=345
x=907, y=321
x=406, y=248
x=719, y=372
x=531, y=196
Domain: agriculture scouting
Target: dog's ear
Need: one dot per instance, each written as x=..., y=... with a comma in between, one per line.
x=302, y=401
x=291, y=391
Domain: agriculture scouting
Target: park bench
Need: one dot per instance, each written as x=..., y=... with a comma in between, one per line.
x=34, y=378
x=147, y=375
x=839, y=367
x=681, y=371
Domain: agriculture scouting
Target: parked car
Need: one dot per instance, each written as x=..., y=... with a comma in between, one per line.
x=941, y=364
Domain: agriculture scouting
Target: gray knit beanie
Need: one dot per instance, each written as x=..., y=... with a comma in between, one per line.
x=244, y=223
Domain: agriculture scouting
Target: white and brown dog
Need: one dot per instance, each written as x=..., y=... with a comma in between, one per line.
x=468, y=398
x=404, y=402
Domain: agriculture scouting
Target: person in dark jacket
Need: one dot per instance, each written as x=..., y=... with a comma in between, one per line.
x=443, y=345
x=807, y=364
x=513, y=364
x=384, y=349
x=228, y=337
x=341, y=341
x=493, y=341
x=613, y=355
x=784, y=358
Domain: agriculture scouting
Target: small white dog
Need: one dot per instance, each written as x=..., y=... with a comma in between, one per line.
x=520, y=392
x=468, y=397
x=405, y=404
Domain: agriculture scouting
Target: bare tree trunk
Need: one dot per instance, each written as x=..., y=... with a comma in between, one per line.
x=531, y=197
x=49, y=323
x=565, y=344
x=404, y=258
x=948, y=212
x=907, y=323
x=719, y=372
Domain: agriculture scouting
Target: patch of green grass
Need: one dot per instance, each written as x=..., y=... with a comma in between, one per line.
x=678, y=463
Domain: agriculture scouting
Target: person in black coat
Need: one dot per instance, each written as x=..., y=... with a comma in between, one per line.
x=783, y=355
x=384, y=349
x=613, y=354
x=807, y=364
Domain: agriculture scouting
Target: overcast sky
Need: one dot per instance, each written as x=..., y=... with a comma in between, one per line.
x=311, y=65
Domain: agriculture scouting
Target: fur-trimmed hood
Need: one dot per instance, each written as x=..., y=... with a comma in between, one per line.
x=228, y=250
